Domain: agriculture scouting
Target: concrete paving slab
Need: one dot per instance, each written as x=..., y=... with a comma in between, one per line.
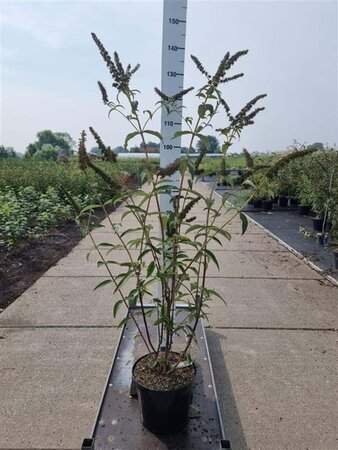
x=237, y=264
x=50, y=385
x=277, y=389
x=253, y=264
x=246, y=242
x=62, y=301
x=250, y=303
x=273, y=303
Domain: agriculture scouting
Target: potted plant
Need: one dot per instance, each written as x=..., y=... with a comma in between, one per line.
x=166, y=248
x=335, y=257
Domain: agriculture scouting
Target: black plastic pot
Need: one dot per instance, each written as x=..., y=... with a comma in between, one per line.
x=257, y=203
x=164, y=412
x=303, y=210
x=317, y=224
x=283, y=202
x=275, y=199
x=335, y=259
x=328, y=226
x=267, y=205
x=293, y=201
x=320, y=239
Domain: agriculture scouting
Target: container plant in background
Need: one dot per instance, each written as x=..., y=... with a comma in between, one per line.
x=320, y=186
x=169, y=249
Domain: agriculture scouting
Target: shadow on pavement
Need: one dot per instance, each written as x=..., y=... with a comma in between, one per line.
x=230, y=416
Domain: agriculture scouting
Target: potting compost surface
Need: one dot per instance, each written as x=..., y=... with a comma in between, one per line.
x=118, y=424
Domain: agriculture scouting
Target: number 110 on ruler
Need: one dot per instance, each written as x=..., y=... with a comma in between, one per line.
x=173, y=52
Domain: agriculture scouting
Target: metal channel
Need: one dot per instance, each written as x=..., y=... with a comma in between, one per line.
x=118, y=425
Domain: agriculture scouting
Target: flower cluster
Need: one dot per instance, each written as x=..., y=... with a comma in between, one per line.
x=120, y=75
x=226, y=63
x=245, y=116
x=173, y=98
x=107, y=152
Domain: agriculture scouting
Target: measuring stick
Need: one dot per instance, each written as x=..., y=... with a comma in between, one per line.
x=173, y=51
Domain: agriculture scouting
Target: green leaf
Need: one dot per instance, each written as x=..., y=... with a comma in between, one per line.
x=181, y=133
x=216, y=294
x=125, y=277
x=201, y=111
x=154, y=133
x=245, y=222
x=89, y=208
x=149, y=112
x=151, y=268
x=209, y=107
x=212, y=257
x=117, y=307
x=130, y=136
x=103, y=283
x=123, y=322
x=249, y=183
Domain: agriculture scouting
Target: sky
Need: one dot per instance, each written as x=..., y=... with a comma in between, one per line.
x=50, y=66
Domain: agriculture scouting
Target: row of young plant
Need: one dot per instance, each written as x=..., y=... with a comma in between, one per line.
x=310, y=181
x=32, y=198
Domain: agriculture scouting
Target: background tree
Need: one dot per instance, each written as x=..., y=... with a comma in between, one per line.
x=48, y=152
x=96, y=151
x=214, y=146
x=7, y=152
x=61, y=140
x=67, y=138
x=317, y=145
x=31, y=149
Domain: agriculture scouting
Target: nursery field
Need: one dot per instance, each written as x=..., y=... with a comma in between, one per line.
x=37, y=222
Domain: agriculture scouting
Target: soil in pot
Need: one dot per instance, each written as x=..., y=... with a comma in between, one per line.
x=163, y=399
x=283, y=202
x=303, y=210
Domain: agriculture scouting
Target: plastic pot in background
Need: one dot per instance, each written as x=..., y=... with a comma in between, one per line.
x=317, y=224
x=257, y=203
x=293, y=201
x=267, y=205
x=328, y=225
x=275, y=199
x=303, y=210
x=283, y=202
x=335, y=259
x=320, y=238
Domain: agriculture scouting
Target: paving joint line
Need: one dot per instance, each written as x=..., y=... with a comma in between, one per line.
x=272, y=328
x=213, y=276
x=58, y=326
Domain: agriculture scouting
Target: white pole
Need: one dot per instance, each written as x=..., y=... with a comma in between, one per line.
x=173, y=52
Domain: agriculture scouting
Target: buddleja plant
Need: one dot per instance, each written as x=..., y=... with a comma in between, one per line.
x=168, y=247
